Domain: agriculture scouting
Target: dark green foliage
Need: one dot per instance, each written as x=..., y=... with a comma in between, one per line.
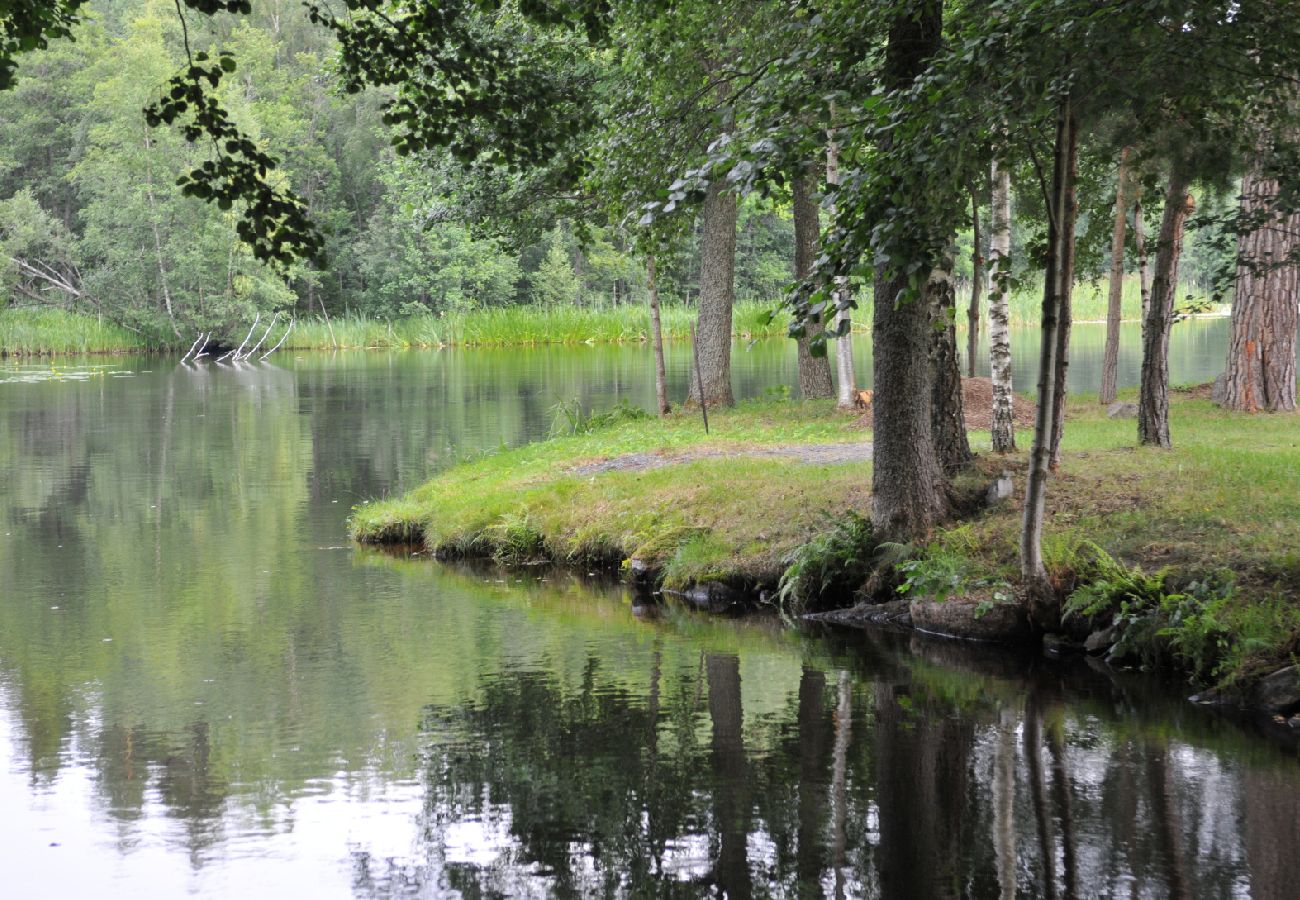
x=830, y=567
x=1159, y=622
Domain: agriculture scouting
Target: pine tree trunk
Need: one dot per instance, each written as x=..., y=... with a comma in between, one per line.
x=1060, y=234
x=949, y=421
x=976, y=287
x=717, y=295
x=1261, y=369
x=814, y=371
x=909, y=490
x=1114, y=307
x=1065, y=302
x=1153, y=399
x=1004, y=426
x=657, y=340
x=845, y=374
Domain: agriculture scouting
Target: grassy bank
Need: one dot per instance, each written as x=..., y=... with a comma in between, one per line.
x=1222, y=507
x=35, y=332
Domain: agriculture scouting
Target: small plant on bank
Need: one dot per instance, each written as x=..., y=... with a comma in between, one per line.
x=833, y=564
x=516, y=541
x=569, y=417
x=940, y=572
x=1158, y=622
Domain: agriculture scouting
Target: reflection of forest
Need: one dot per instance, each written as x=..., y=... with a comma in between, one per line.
x=940, y=798
x=178, y=624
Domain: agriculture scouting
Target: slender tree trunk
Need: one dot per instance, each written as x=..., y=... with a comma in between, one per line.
x=1004, y=426
x=717, y=296
x=976, y=287
x=1153, y=399
x=846, y=376
x=1065, y=303
x=909, y=489
x=1114, y=308
x=1261, y=369
x=157, y=241
x=657, y=340
x=814, y=371
x=1060, y=233
x=949, y=419
x=1144, y=269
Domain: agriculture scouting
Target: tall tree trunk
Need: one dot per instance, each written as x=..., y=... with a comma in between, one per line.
x=976, y=287
x=1261, y=369
x=1144, y=269
x=1004, y=426
x=1153, y=399
x=845, y=374
x=948, y=418
x=814, y=371
x=909, y=489
x=1060, y=234
x=157, y=240
x=1114, y=308
x=657, y=340
x=1065, y=303
x=717, y=296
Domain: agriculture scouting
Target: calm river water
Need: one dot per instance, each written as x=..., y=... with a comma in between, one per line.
x=204, y=690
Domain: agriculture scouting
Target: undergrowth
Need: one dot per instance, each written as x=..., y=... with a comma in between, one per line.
x=830, y=567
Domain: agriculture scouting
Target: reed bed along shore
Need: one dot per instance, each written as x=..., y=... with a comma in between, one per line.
x=31, y=332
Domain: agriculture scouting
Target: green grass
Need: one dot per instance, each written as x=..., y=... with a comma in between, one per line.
x=524, y=326
x=726, y=517
x=45, y=331
x=32, y=332
x=1226, y=497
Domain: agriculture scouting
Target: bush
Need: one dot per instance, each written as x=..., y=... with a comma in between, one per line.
x=1159, y=622
x=830, y=566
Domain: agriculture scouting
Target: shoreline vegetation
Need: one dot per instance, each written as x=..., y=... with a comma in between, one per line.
x=43, y=331
x=1173, y=560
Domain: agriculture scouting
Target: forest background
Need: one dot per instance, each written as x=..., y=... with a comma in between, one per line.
x=91, y=220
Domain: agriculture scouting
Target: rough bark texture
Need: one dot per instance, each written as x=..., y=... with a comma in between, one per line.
x=1153, y=396
x=1261, y=369
x=717, y=295
x=1060, y=233
x=1114, y=310
x=1065, y=301
x=1004, y=428
x=948, y=419
x=976, y=288
x=846, y=396
x=909, y=490
x=814, y=371
x=657, y=340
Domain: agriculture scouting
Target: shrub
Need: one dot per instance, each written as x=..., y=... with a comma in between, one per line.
x=832, y=565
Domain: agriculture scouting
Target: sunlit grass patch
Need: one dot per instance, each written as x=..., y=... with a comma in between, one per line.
x=32, y=332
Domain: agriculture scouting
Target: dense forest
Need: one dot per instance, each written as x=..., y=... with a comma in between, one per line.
x=91, y=220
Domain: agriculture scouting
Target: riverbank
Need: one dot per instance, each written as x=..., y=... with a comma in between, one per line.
x=43, y=332
x=1190, y=552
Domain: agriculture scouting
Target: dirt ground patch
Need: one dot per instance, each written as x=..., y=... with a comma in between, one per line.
x=811, y=454
x=977, y=404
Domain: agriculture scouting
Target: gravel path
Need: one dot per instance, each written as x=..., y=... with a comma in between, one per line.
x=813, y=454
